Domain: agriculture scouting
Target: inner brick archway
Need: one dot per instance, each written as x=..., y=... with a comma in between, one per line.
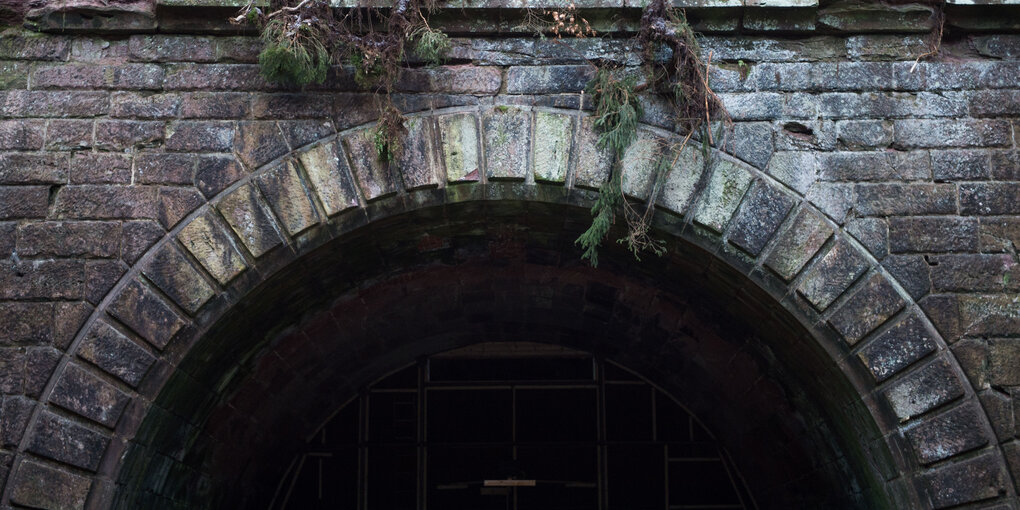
x=748, y=237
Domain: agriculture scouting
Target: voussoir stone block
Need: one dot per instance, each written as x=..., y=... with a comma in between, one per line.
x=176, y=277
x=247, y=215
x=639, y=162
x=726, y=187
x=799, y=243
x=40, y=486
x=869, y=307
x=287, y=196
x=258, y=142
x=206, y=240
x=146, y=314
x=759, y=217
x=416, y=159
x=458, y=139
x=837, y=270
x=924, y=389
x=115, y=353
x=86, y=395
x=593, y=162
x=330, y=176
x=374, y=174
x=553, y=136
x=955, y=431
x=507, y=142
x=974, y=479
x=682, y=181
x=898, y=347
x=63, y=440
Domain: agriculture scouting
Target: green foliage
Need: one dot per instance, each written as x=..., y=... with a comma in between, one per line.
x=384, y=145
x=368, y=71
x=617, y=110
x=293, y=54
x=430, y=45
x=602, y=217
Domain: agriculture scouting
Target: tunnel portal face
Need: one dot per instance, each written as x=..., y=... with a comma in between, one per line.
x=246, y=404
x=512, y=425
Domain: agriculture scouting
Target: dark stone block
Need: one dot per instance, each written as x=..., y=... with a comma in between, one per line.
x=63, y=440
x=987, y=198
x=163, y=168
x=69, y=239
x=33, y=168
x=40, y=486
x=1004, y=362
x=375, y=176
x=932, y=234
x=71, y=134
x=751, y=142
x=868, y=308
x=50, y=279
x=759, y=216
x=910, y=271
x=199, y=136
x=548, y=79
x=905, y=199
x=117, y=135
x=250, y=219
x=16, y=412
x=39, y=365
x=999, y=408
x=85, y=394
x=26, y=323
x=146, y=313
x=873, y=233
x=176, y=203
x=138, y=237
x=23, y=202
x=106, y=202
x=833, y=274
x=975, y=272
x=303, y=132
x=215, y=105
x=100, y=168
x=971, y=480
x=258, y=142
x=132, y=105
x=69, y=317
x=100, y=277
x=176, y=277
x=944, y=312
x=21, y=134
x=115, y=353
x=290, y=200
x=925, y=389
x=898, y=348
x=799, y=243
x=215, y=173
x=959, y=165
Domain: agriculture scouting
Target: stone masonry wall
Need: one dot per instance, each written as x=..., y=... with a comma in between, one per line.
x=107, y=142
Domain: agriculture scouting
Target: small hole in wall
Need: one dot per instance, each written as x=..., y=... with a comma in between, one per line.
x=797, y=129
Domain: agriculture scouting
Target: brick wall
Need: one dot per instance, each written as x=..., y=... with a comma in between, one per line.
x=141, y=185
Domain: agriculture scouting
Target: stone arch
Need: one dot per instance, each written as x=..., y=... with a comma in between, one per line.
x=878, y=339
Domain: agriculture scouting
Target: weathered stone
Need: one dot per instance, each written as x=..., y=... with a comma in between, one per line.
x=1004, y=362
x=374, y=174
x=553, y=139
x=460, y=79
x=593, y=162
x=867, y=309
x=507, y=143
x=639, y=164
x=944, y=312
x=330, y=176
x=115, y=353
x=956, y=165
x=751, y=142
x=171, y=48
x=26, y=323
x=873, y=234
x=21, y=135
x=975, y=272
x=40, y=486
x=416, y=158
x=990, y=198
x=63, y=440
x=779, y=19
x=922, y=390
x=33, y=168
x=12, y=379
x=1004, y=46
x=759, y=217
x=726, y=187
x=898, y=347
x=176, y=277
x=874, y=166
x=99, y=168
x=284, y=190
x=69, y=239
x=16, y=412
x=458, y=137
x=133, y=105
x=40, y=362
x=1006, y=164
x=137, y=237
x=548, y=79
x=932, y=234
x=298, y=133
x=258, y=142
x=858, y=17
x=214, y=77
x=910, y=271
x=682, y=181
x=999, y=407
x=69, y=134
x=835, y=272
x=85, y=202
x=974, y=479
x=146, y=313
x=998, y=235
x=213, y=248
x=248, y=217
x=215, y=173
x=905, y=199
x=165, y=168
x=100, y=277
x=972, y=355
x=64, y=103
x=989, y=314
x=176, y=203
x=885, y=47
x=798, y=244
x=83, y=393
x=49, y=279
x=118, y=135
x=215, y=105
x=195, y=136
x=938, y=133
x=796, y=169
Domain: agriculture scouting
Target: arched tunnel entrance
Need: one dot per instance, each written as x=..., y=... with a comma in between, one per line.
x=255, y=390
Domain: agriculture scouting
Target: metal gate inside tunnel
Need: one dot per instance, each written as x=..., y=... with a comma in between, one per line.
x=512, y=425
